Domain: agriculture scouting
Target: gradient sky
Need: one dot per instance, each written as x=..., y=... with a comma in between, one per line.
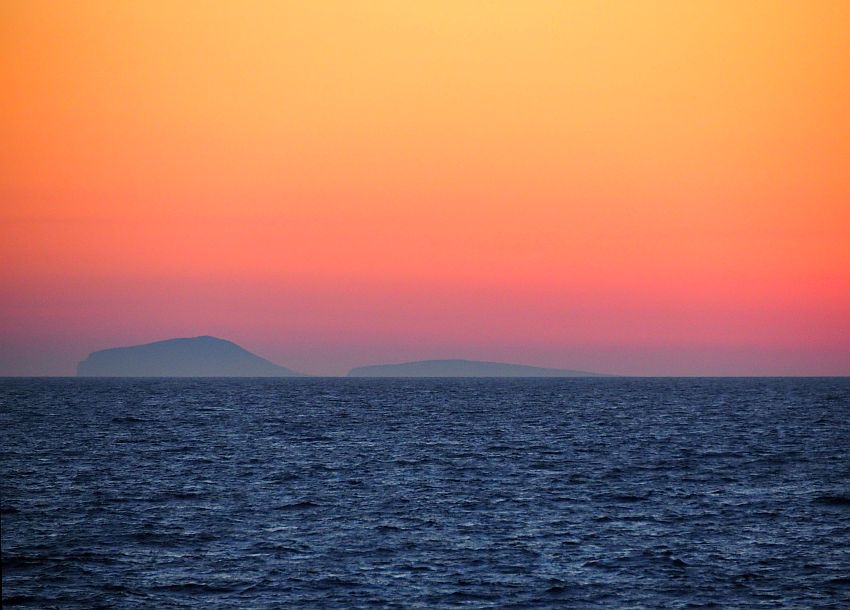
x=630, y=187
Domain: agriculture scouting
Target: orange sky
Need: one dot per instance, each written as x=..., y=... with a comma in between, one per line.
x=635, y=187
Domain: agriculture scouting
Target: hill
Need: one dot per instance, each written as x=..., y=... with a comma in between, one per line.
x=462, y=368
x=189, y=357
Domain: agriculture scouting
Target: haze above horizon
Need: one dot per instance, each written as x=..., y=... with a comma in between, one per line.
x=641, y=188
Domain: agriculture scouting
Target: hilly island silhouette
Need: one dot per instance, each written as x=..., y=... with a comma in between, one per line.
x=186, y=357
x=208, y=356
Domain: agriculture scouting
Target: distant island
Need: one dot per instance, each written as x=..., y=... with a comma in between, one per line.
x=189, y=357
x=462, y=368
x=213, y=357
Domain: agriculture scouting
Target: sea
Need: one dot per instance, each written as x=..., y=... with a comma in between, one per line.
x=425, y=493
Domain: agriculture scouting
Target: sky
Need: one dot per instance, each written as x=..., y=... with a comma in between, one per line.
x=643, y=188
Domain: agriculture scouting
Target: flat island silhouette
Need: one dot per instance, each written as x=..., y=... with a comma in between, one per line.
x=463, y=368
x=186, y=357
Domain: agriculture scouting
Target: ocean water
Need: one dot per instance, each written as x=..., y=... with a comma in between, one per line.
x=429, y=493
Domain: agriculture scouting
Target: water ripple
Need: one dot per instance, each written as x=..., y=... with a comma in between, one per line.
x=357, y=493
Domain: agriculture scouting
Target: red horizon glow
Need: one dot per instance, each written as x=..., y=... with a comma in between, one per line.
x=656, y=188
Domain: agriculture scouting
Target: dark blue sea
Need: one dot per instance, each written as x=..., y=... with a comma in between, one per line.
x=430, y=493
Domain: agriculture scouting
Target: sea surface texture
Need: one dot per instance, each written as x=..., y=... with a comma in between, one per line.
x=382, y=493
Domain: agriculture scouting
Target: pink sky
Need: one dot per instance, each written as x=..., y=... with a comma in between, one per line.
x=654, y=188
